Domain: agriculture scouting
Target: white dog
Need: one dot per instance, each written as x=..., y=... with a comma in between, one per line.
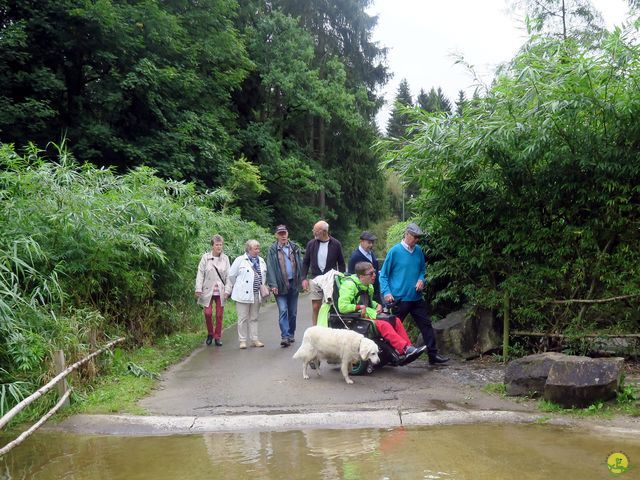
x=336, y=346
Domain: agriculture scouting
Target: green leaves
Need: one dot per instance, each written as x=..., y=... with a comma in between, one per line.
x=11, y=392
x=533, y=188
x=86, y=253
x=141, y=82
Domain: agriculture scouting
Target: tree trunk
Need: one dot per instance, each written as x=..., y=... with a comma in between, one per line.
x=505, y=325
x=322, y=200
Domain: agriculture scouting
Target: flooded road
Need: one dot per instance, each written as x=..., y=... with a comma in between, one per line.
x=475, y=452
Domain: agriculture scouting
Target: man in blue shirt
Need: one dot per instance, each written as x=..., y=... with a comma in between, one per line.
x=402, y=279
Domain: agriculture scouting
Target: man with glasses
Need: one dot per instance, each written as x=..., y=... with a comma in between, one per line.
x=402, y=279
x=356, y=295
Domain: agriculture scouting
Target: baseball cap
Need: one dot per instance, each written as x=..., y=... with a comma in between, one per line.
x=281, y=228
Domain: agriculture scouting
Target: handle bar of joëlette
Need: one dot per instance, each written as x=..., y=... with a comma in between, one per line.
x=389, y=307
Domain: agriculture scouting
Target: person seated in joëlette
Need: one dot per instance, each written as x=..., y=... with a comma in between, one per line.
x=356, y=295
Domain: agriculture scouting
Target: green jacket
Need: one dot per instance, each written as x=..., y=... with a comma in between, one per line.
x=276, y=270
x=349, y=296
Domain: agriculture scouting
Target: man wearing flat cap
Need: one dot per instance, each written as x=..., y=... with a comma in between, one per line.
x=364, y=253
x=284, y=277
x=402, y=279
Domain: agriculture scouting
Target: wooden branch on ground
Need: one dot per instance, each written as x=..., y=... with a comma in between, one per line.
x=24, y=435
x=34, y=396
x=519, y=333
x=601, y=300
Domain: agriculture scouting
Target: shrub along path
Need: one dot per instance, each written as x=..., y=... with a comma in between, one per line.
x=225, y=388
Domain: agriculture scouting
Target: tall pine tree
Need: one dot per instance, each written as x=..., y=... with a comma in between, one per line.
x=434, y=101
x=311, y=102
x=462, y=99
x=398, y=121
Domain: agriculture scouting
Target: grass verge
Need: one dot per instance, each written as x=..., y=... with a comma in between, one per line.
x=495, y=388
x=627, y=402
x=132, y=374
x=126, y=375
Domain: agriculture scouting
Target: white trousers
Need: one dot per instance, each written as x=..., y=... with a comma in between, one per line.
x=248, y=319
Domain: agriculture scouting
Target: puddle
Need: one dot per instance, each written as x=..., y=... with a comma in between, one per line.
x=475, y=452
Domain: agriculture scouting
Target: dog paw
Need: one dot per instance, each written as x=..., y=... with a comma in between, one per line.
x=306, y=377
x=348, y=380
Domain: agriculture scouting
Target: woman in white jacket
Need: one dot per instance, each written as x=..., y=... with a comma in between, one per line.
x=247, y=273
x=213, y=271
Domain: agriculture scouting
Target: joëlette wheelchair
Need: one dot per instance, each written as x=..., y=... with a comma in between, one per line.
x=329, y=316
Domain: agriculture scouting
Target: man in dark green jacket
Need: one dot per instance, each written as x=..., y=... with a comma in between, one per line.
x=284, y=277
x=356, y=294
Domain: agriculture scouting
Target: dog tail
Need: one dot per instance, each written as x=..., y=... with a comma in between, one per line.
x=300, y=353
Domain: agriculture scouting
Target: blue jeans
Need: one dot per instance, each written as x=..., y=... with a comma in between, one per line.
x=288, y=308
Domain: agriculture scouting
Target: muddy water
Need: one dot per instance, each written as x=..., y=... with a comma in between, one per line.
x=475, y=452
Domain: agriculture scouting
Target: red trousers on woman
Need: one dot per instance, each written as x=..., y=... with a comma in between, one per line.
x=208, y=317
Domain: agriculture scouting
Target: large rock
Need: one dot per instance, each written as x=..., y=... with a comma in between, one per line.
x=489, y=336
x=467, y=334
x=582, y=381
x=528, y=375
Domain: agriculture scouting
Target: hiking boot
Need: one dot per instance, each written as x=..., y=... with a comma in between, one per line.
x=257, y=343
x=209, y=339
x=292, y=340
x=437, y=359
x=243, y=345
x=285, y=342
x=218, y=342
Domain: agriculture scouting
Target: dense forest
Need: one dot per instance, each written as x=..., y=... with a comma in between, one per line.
x=130, y=131
x=272, y=101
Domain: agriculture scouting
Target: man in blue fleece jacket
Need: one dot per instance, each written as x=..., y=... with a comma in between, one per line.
x=402, y=279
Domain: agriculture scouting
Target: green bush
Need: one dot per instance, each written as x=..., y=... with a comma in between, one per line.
x=533, y=191
x=86, y=253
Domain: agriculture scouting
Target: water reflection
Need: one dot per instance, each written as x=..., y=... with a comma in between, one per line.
x=453, y=452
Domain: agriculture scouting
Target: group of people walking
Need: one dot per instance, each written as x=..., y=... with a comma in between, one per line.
x=285, y=272
x=243, y=281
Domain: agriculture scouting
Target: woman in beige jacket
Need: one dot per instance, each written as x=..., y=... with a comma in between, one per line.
x=213, y=273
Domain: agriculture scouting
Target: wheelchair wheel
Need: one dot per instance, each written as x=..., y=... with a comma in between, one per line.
x=370, y=368
x=361, y=368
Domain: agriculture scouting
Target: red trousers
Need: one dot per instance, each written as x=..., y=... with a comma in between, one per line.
x=395, y=334
x=208, y=317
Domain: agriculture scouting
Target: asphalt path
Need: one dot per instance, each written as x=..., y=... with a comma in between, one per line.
x=226, y=380
x=224, y=389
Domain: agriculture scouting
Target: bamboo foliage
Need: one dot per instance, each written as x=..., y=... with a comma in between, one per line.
x=83, y=249
x=533, y=190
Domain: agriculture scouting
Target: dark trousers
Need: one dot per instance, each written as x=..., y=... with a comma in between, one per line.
x=418, y=311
